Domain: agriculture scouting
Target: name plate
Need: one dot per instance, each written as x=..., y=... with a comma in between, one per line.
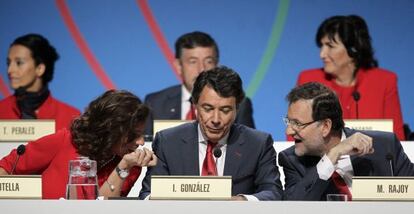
x=385, y=125
x=21, y=186
x=25, y=130
x=165, y=124
x=191, y=188
x=382, y=188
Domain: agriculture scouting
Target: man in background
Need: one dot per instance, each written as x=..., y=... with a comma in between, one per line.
x=195, y=52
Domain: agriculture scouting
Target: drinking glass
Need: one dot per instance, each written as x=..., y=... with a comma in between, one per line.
x=82, y=182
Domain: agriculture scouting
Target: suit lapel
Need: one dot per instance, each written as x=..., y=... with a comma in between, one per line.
x=189, y=148
x=234, y=152
x=361, y=166
x=173, y=105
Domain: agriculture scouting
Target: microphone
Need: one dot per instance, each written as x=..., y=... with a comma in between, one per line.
x=390, y=159
x=357, y=96
x=217, y=152
x=20, y=151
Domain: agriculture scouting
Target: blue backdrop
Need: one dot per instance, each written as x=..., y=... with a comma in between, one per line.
x=267, y=41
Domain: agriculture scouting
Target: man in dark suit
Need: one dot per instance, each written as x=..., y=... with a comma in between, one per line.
x=326, y=155
x=247, y=154
x=195, y=52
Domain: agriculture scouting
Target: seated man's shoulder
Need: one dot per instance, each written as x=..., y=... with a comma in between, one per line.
x=372, y=133
x=288, y=154
x=382, y=141
x=290, y=151
x=179, y=130
x=163, y=92
x=245, y=131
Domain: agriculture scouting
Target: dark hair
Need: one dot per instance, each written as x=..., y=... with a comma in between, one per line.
x=111, y=118
x=224, y=81
x=193, y=40
x=353, y=33
x=325, y=103
x=42, y=53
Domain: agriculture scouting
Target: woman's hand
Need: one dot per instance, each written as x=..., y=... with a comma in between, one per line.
x=140, y=157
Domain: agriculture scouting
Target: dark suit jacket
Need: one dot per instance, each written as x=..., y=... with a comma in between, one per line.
x=166, y=105
x=302, y=180
x=250, y=159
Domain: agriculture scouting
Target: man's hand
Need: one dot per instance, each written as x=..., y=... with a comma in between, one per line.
x=358, y=144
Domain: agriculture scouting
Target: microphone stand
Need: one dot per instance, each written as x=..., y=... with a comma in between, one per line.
x=357, y=96
x=20, y=150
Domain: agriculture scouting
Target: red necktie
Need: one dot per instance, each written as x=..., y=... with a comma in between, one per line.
x=191, y=113
x=341, y=185
x=209, y=165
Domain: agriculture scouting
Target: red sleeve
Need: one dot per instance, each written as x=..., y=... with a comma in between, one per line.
x=130, y=181
x=7, y=162
x=300, y=80
x=37, y=156
x=64, y=116
x=393, y=108
x=311, y=75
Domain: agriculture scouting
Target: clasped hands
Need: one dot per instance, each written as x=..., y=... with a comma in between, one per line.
x=140, y=157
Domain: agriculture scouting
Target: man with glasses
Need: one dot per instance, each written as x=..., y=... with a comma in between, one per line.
x=326, y=154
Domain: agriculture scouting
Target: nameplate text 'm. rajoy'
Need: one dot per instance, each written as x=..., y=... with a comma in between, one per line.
x=368, y=188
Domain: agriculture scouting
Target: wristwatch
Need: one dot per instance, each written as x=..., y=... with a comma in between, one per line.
x=122, y=173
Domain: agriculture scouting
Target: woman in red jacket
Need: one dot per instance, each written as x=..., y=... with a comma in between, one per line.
x=109, y=131
x=350, y=69
x=30, y=67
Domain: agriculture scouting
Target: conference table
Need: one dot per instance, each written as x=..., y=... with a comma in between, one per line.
x=132, y=205
x=6, y=147
x=279, y=146
x=201, y=207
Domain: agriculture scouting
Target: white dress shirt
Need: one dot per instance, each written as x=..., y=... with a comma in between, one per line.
x=185, y=102
x=222, y=144
x=326, y=168
x=202, y=149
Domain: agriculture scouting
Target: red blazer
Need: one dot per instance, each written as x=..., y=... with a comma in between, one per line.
x=49, y=156
x=62, y=113
x=378, y=91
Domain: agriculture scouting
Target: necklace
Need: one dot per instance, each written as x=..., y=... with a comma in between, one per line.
x=108, y=161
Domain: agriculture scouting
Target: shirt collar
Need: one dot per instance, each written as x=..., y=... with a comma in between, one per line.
x=185, y=94
x=344, y=164
x=202, y=139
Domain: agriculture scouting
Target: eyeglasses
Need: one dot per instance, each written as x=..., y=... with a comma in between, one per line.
x=296, y=125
